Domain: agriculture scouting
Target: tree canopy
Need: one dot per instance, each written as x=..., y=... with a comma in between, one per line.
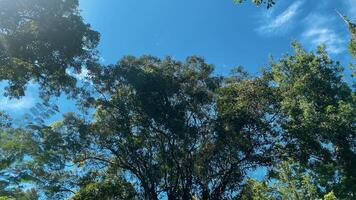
x=291, y=182
x=159, y=128
x=165, y=128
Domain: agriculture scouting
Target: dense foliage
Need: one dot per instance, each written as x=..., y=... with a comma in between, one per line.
x=164, y=128
x=40, y=40
x=291, y=182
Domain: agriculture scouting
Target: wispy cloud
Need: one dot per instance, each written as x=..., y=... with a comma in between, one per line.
x=16, y=104
x=316, y=36
x=319, y=30
x=279, y=23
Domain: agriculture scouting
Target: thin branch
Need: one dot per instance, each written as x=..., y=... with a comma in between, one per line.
x=347, y=22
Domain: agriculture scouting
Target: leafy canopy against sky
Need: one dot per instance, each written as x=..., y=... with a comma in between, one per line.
x=305, y=91
x=168, y=128
x=224, y=34
x=39, y=41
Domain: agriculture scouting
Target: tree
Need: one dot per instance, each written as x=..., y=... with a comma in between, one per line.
x=158, y=125
x=164, y=128
x=316, y=117
x=40, y=40
x=167, y=129
x=312, y=112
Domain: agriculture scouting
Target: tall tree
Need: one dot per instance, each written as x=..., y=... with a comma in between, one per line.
x=311, y=109
x=158, y=125
x=317, y=116
x=40, y=40
x=164, y=128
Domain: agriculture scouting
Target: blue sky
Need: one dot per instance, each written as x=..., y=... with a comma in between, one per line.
x=225, y=34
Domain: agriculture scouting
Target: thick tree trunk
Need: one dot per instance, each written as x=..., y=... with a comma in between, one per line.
x=150, y=192
x=205, y=193
x=187, y=189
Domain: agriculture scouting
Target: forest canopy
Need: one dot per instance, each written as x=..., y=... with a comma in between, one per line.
x=163, y=128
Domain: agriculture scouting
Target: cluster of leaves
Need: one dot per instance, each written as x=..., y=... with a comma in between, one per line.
x=291, y=182
x=13, y=149
x=269, y=3
x=20, y=195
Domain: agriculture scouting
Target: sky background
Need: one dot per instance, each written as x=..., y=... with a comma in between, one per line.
x=225, y=34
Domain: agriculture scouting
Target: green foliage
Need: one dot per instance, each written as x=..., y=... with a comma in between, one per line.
x=164, y=127
x=10, y=171
x=352, y=46
x=352, y=43
x=110, y=189
x=155, y=121
x=6, y=198
x=291, y=182
x=174, y=140
x=20, y=195
x=317, y=114
x=330, y=196
x=40, y=40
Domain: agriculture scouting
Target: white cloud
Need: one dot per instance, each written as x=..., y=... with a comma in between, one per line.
x=274, y=24
x=320, y=30
x=316, y=36
x=315, y=20
x=16, y=104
